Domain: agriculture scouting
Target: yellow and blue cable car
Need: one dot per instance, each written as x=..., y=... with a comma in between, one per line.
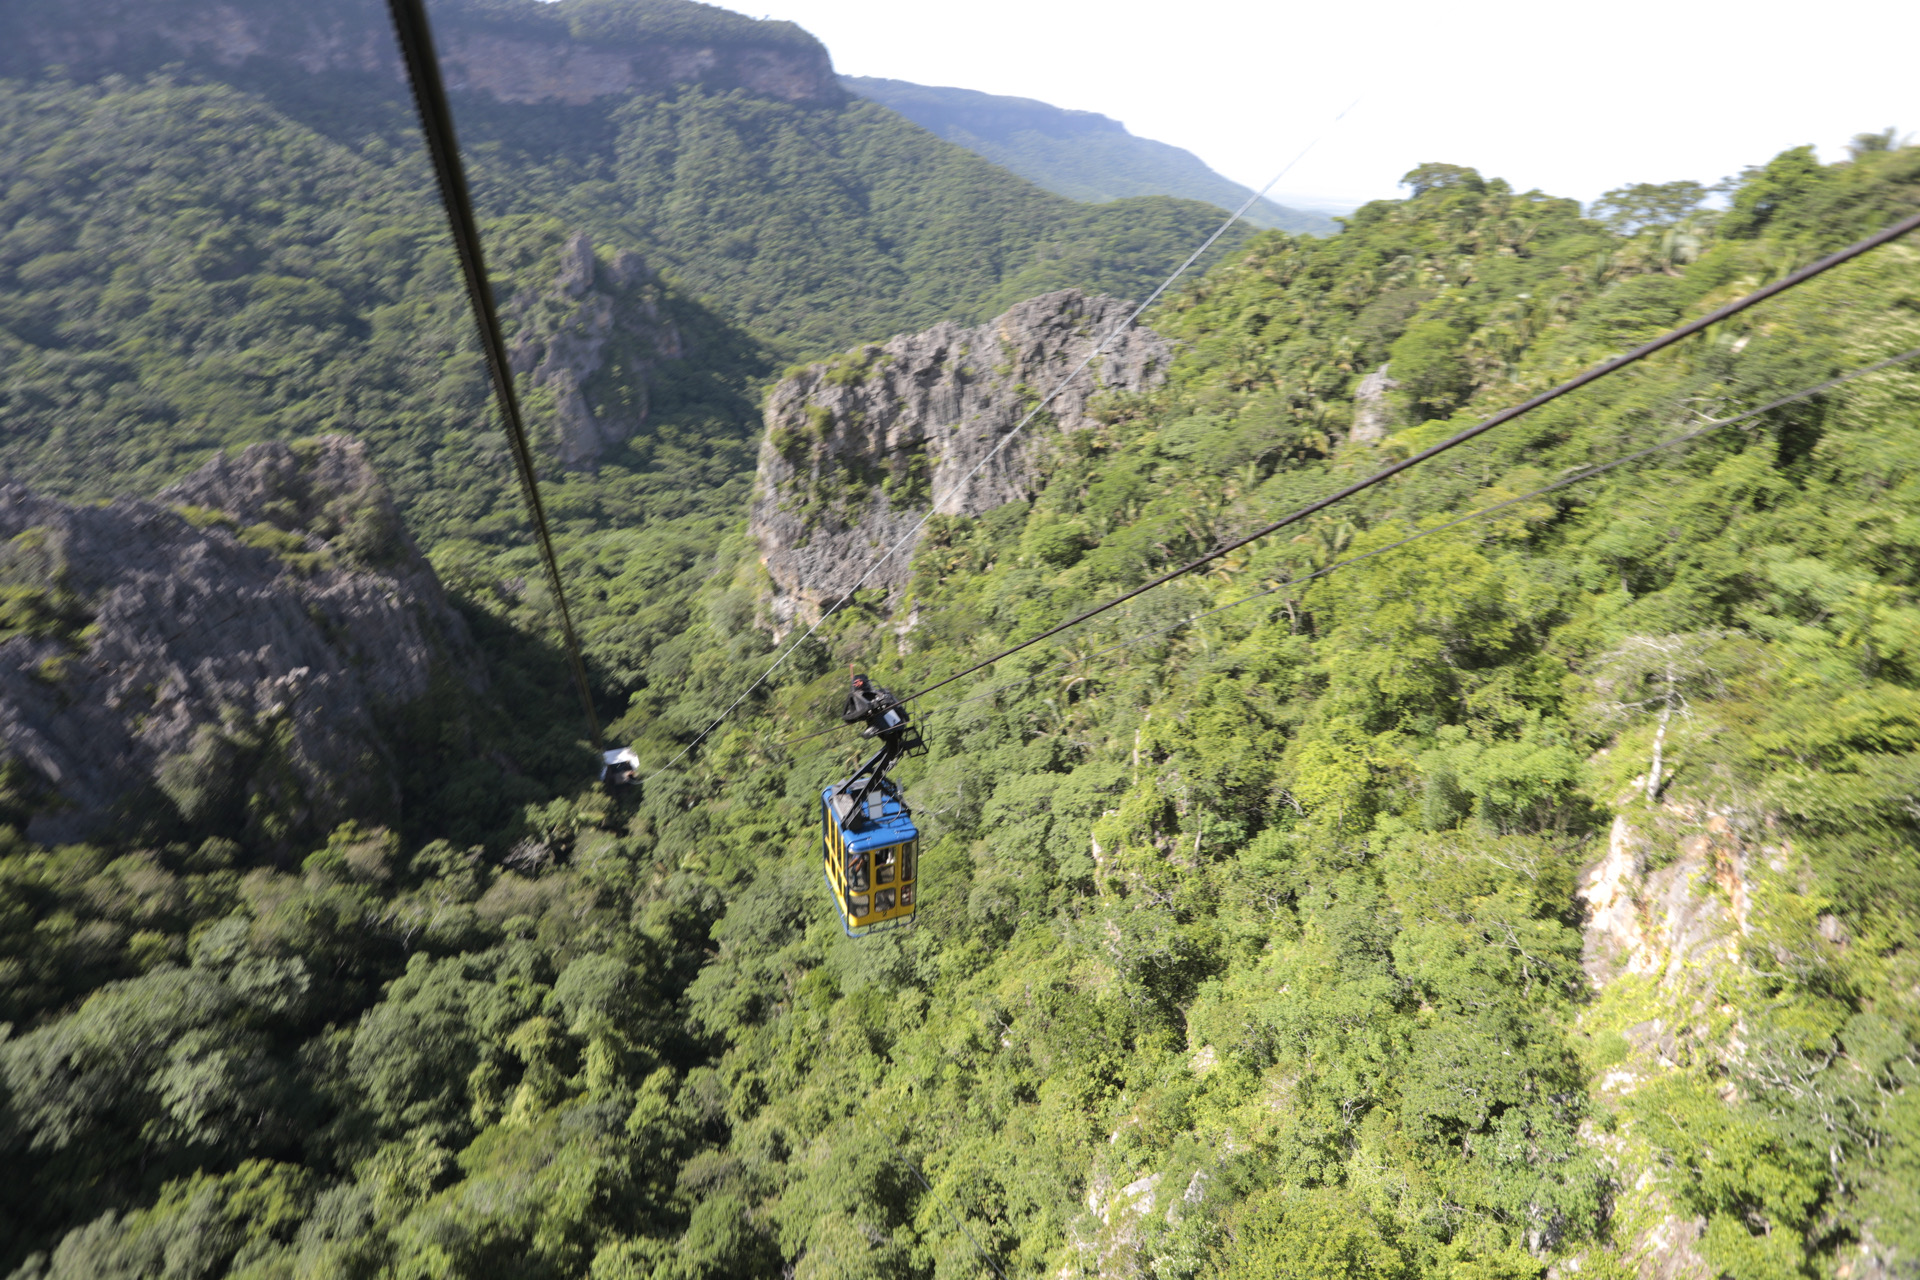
x=871, y=854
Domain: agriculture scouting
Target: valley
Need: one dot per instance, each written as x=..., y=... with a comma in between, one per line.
x=1534, y=900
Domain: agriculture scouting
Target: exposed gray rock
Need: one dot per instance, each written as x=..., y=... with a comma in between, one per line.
x=225, y=656
x=1372, y=414
x=525, y=52
x=592, y=340
x=1679, y=927
x=858, y=449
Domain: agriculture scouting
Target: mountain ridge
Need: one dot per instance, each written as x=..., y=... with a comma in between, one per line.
x=568, y=51
x=1082, y=155
x=1534, y=896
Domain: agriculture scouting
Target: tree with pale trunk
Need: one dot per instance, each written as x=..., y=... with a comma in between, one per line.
x=1666, y=671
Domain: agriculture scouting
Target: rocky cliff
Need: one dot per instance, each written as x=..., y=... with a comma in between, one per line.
x=225, y=658
x=859, y=448
x=1683, y=898
x=1372, y=411
x=590, y=341
x=1667, y=927
x=573, y=51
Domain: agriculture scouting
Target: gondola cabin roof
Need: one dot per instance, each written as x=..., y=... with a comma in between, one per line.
x=886, y=821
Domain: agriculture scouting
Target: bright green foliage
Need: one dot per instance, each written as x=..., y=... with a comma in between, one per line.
x=1248, y=945
x=1279, y=906
x=1308, y=1236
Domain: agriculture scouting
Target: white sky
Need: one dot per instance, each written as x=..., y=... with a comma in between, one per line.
x=1572, y=99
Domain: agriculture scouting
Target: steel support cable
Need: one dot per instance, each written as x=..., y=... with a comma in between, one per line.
x=1578, y=476
x=1593, y=374
x=415, y=37
x=1006, y=439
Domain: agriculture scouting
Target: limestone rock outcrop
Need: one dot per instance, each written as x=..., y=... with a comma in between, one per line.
x=859, y=448
x=1676, y=923
x=567, y=53
x=591, y=340
x=224, y=659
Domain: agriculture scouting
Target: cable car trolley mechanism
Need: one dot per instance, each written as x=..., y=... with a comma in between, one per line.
x=870, y=848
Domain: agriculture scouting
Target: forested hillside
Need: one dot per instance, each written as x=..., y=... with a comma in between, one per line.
x=1261, y=946
x=1079, y=154
x=1537, y=898
x=199, y=252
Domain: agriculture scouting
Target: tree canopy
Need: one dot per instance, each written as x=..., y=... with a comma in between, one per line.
x=1249, y=945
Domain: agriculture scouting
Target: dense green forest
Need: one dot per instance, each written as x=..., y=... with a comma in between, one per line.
x=1276, y=909
x=1249, y=946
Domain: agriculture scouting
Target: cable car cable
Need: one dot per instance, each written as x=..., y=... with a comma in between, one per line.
x=415, y=37
x=1006, y=439
x=1583, y=474
x=1580, y=475
x=1593, y=374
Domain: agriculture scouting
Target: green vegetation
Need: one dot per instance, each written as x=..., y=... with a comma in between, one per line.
x=818, y=228
x=186, y=267
x=1077, y=154
x=35, y=596
x=1277, y=909
x=1249, y=946
x=621, y=24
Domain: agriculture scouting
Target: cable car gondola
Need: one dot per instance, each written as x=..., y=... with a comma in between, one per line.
x=870, y=849
x=619, y=766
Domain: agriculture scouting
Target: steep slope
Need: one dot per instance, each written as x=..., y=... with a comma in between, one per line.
x=860, y=450
x=1351, y=928
x=719, y=147
x=1354, y=925
x=1078, y=154
x=230, y=660
x=245, y=246
x=572, y=52
x=1536, y=899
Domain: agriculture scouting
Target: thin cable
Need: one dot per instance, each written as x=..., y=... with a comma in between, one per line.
x=436, y=122
x=1579, y=476
x=1593, y=374
x=1006, y=439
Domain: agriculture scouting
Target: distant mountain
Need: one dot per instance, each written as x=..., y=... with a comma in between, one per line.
x=1079, y=154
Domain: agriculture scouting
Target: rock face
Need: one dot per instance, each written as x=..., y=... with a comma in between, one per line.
x=570, y=52
x=1661, y=924
x=591, y=341
x=1372, y=414
x=1678, y=926
x=860, y=448
x=225, y=658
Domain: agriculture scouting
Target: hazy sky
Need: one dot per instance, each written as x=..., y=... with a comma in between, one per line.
x=1572, y=99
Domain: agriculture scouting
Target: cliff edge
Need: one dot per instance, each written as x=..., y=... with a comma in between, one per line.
x=859, y=448
x=522, y=51
x=224, y=659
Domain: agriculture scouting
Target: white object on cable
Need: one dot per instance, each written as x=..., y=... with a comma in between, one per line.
x=618, y=765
